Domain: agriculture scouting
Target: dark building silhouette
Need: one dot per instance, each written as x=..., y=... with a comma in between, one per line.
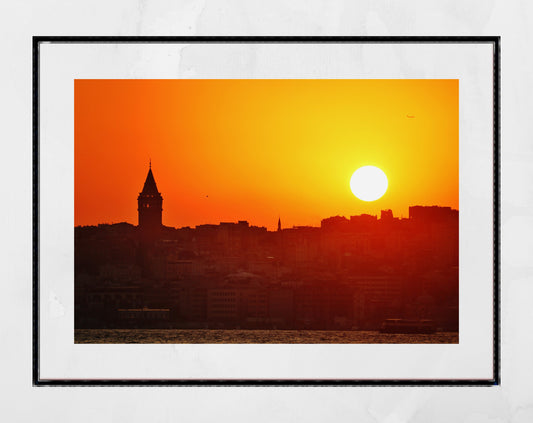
x=432, y=213
x=334, y=223
x=346, y=274
x=150, y=205
x=386, y=215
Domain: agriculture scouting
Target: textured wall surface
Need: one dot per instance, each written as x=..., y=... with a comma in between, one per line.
x=510, y=402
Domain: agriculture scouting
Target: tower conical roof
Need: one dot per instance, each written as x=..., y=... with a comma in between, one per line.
x=150, y=186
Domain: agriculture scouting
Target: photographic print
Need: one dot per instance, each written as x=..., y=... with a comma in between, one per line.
x=266, y=211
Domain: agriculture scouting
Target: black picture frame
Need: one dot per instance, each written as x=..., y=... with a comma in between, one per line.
x=495, y=380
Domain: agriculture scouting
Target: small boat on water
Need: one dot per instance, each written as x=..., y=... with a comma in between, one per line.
x=408, y=326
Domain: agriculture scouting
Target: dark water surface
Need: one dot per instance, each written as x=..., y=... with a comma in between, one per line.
x=220, y=336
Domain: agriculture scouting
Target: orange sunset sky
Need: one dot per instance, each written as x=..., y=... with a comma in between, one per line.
x=228, y=150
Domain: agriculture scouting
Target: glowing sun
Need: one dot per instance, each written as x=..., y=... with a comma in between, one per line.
x=368, y=183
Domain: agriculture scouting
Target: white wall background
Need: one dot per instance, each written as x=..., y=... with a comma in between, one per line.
x=513, y=401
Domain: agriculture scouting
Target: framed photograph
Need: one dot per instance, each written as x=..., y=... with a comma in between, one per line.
x=266, y=210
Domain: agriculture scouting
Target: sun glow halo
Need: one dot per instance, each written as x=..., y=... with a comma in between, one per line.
x=369, y=183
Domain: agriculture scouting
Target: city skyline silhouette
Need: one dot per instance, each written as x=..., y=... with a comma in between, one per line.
x=387, y=276
x=150, y=210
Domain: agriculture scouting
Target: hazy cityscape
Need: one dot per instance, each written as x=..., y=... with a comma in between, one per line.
x=349, y=274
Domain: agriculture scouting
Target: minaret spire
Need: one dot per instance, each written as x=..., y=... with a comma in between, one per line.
x=150, y=163
x=279, y=223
